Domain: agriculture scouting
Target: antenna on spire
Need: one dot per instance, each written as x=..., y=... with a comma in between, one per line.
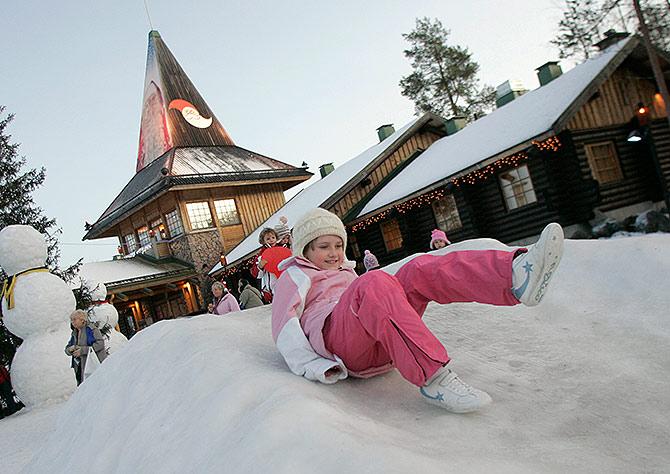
x=148, y=16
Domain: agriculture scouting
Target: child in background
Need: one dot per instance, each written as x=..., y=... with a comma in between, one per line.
x=224, y=302
x=328, y=323
x=438, y=239
x=370, y=261
x=283, y=232
x=267, y=238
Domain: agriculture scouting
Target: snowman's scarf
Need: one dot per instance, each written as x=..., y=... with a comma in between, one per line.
x=10, y=283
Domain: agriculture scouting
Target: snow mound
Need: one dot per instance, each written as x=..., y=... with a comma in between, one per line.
x=579, y=384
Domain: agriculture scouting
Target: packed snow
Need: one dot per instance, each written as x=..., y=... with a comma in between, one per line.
x=580, y=384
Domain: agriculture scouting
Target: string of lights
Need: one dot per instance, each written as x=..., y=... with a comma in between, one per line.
x=552, y=144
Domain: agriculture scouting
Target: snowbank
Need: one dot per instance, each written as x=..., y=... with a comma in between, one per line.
x=580, y=384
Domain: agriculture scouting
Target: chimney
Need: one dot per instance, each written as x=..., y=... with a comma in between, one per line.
x=385, y=131
x=508, y=91
x=455, y=123
x=610, y=38
x=548, y=72
x=326, y=169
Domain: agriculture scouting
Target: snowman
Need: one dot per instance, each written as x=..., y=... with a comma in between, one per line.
x=36, y=306
x=104, y=316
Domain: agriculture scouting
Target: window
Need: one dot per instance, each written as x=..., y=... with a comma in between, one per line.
x=392, y=235
x=604, y=163
x=199, y=215
x=446, y=213
x=143, y=234
x=130, y=243
x=226, y=212
x=517, y=187
x=158, y=229
x=174, y=224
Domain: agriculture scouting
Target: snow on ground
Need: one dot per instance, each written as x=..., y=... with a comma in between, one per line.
x=580, y=384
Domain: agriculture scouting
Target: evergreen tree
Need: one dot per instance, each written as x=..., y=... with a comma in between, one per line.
x=444, y=78
x=578, y=29
x=584, y=20
x=18, y=207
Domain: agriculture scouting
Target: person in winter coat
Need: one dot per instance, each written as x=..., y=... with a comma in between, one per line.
x=370, y=262
x=250, y=297
x=85, y=336
x=438, y=239
x=224, y=302
x=329, y=323
x=283, y=232
x=6, y=394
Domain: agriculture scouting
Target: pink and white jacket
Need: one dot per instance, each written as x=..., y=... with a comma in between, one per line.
x=304, y=297
x=227, y=304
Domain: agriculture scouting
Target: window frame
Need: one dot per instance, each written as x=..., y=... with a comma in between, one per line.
x=177, y=220
x=597, y=171
x=144, y=230
x=443, y=223
x=237, y=213
x=126, y=245
x=211, y=225
x=515, y=195
x=394, y=238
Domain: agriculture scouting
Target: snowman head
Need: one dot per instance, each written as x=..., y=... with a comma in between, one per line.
x=21, y=248
x=97, y=289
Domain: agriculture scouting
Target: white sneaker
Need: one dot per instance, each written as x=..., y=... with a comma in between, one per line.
x=448, y=391
x=532, y=270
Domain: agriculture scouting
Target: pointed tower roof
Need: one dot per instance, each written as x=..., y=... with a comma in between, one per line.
x=183, y=144
x=174, y=114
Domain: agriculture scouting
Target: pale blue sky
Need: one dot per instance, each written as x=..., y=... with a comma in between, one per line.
x=294, y=80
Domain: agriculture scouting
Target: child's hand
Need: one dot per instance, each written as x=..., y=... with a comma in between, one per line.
x=76, y=353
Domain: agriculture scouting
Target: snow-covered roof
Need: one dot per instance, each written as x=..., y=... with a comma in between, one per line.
x=115, y=271
x=519, y=121
x=317, y=193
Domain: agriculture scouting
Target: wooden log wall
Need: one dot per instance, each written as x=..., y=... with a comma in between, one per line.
x=421, y=140
x=616, y=101
x=416, y=226
x=640, y=182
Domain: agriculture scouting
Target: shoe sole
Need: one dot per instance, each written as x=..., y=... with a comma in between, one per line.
x=552, y=236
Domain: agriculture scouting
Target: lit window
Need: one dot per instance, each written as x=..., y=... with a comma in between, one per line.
x=517, y=187
x=174, y=224
x=143, y=234
x=603, y=161
x=130, y=243
x=392, y=235
x=226, y=212
x=199, y=215
x=159, y=229
x=446, y=213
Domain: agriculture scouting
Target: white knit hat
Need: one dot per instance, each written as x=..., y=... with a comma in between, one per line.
x=314, y=224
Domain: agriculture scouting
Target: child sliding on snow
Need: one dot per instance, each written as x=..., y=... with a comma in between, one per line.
x=328, y=323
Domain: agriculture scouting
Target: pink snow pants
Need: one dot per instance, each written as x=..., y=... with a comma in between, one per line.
x=378, y=318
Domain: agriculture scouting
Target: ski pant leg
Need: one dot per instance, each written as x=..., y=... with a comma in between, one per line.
x=373, y=324
x=481, y=276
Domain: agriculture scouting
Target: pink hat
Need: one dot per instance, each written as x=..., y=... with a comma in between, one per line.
x=370, y=261
x=438, y=234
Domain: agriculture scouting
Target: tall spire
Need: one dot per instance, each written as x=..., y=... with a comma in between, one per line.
x=173, y=111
